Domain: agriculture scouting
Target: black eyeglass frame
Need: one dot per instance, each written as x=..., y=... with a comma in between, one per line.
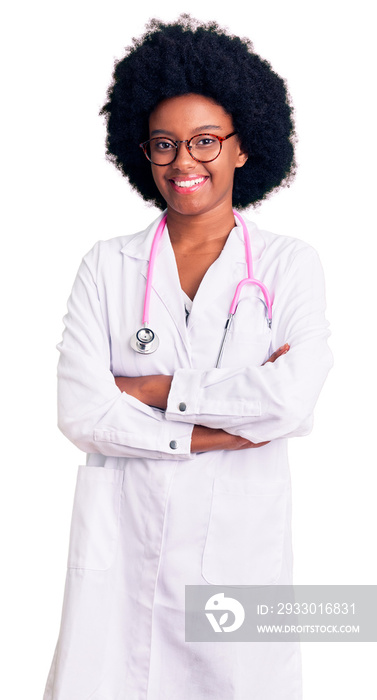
x=221, y=139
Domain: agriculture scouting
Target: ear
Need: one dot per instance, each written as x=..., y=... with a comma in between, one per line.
x=242, y=158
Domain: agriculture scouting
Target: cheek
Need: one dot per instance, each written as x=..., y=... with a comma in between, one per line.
x=226, y=176
x=159, y=181
x=154, y=172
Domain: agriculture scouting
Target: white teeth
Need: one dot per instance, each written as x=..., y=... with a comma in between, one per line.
x=189, y=183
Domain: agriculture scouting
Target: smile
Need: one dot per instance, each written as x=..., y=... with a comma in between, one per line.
x=190, y=185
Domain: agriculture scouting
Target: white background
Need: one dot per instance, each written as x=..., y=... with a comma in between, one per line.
x=61, y=196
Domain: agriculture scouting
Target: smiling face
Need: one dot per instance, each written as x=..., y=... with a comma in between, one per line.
x=191, y=188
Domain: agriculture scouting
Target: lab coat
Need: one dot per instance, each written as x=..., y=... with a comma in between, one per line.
x=149, y=517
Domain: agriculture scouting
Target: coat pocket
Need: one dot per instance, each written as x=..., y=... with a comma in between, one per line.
x=245, y=536
x=95, y=518
x=249, y=340
x=246, y=349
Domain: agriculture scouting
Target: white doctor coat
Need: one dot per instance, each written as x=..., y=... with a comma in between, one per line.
x=149, y=517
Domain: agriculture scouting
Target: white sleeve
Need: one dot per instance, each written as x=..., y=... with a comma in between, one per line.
x=92, y=412
x=277, y=399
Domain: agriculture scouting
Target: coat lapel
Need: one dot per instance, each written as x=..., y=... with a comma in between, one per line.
x=219, y=284
x=220, y=279
x=165, y=279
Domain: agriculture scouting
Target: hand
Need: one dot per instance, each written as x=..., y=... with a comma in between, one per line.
x=207, y=439
x=130, y=385
x=280, y=351
x=153, y=389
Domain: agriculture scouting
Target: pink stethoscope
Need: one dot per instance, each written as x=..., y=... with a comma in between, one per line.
x=145, y=341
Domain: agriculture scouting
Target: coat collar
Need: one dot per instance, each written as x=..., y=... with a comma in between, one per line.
x=226, y=268
x=139, y=245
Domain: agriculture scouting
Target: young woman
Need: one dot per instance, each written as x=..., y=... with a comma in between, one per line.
x=186, y=425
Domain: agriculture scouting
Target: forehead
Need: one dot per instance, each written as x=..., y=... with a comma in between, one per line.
x=189, y=113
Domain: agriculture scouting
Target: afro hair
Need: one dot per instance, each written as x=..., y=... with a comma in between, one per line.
x=187, y=56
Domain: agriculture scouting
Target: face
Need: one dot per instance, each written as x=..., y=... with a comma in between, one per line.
x=180, y=118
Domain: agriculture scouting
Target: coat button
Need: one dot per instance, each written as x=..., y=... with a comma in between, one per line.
x=173, y=444
x=182, y=406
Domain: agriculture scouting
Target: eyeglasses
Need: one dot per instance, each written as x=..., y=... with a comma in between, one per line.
x=203, y=148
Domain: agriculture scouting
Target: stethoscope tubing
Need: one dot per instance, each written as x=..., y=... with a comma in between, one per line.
x=157, y=236
x=146, y=348
x=250, y=279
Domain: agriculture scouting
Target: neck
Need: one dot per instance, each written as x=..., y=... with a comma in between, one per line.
x=208, y=229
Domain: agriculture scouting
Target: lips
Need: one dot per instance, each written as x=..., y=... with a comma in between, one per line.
x=188, y=184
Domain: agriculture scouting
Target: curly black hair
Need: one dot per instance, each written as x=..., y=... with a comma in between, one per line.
x=187, y=56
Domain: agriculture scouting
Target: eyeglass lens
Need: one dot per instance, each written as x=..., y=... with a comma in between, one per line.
x=203, y=147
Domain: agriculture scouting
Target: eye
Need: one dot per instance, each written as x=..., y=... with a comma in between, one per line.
x=163, y=145
x=205, y=141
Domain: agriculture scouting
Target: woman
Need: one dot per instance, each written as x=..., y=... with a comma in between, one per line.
x=187, y=480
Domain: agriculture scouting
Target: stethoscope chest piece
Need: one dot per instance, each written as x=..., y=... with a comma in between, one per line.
x=145, y=341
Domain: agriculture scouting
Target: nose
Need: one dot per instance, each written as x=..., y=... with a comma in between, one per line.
x=183, y=160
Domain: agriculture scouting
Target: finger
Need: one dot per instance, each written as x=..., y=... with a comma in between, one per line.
x=280, y=351
x=253, y=444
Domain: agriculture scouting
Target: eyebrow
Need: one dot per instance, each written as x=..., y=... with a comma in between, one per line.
x=198, y=130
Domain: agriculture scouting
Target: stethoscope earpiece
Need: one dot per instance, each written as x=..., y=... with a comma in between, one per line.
x=145, y=341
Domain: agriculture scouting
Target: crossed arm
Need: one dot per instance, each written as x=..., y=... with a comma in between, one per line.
x=153, y=390
x=233, y=409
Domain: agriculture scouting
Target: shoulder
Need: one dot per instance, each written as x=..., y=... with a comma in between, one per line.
x=290, y=262
x=282, y=257
x=287, y=247
x=110, y=253
x=267, y=243
x=283, y=251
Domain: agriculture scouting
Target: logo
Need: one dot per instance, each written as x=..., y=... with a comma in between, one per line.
x=219, y=603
